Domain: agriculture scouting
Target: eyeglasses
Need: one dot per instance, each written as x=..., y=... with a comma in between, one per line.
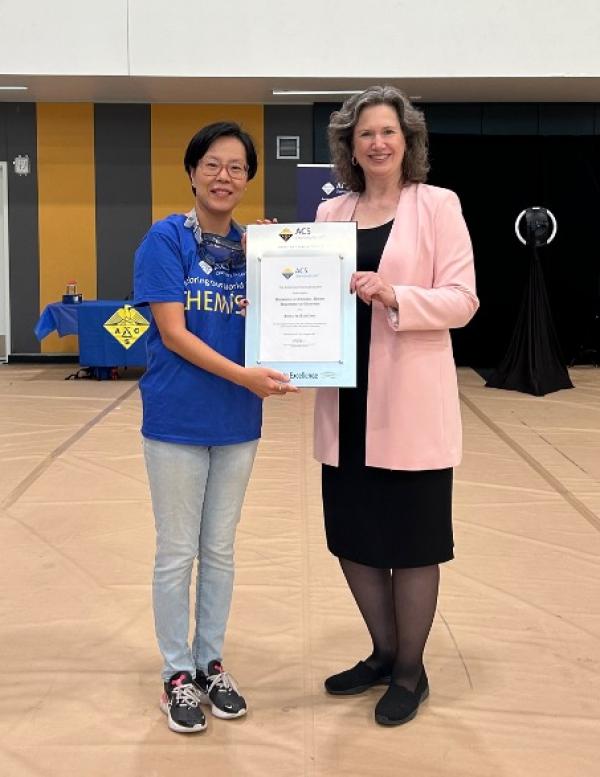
x=219, y=252
x=212, y=168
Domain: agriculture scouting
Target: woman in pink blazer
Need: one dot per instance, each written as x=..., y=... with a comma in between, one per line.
x=389, y=446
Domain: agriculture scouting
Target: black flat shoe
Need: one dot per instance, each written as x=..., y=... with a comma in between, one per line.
x=398, y=705
x=356, y=680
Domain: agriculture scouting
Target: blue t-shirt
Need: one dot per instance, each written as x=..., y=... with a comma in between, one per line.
x=183, y=403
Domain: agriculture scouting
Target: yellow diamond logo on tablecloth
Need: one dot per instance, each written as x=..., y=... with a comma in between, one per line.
x=126, y=325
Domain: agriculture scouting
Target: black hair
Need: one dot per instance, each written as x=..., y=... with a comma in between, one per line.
x=204, y=138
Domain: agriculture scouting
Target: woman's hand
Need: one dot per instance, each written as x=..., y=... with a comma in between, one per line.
x=265, y=382
x=258, y=221
x=369, y=286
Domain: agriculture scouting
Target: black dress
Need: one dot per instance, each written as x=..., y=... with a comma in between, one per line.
x=381, y=517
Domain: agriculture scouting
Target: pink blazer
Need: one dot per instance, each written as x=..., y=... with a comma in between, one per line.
x=413, y=412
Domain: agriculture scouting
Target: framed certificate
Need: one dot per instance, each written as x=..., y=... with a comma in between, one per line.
x=302, y=318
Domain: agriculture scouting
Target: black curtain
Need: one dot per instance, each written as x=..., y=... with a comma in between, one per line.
x=496, y=177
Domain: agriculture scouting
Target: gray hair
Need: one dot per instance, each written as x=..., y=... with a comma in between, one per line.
x=415, y=164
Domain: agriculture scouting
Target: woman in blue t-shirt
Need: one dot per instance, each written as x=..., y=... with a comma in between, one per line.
x=202, y=418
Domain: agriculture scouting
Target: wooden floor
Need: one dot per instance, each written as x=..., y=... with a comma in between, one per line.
x=514, y=655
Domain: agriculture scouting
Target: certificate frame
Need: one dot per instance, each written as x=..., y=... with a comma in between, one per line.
x=290, y=245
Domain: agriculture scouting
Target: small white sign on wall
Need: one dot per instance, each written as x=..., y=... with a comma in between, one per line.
x=22, y=164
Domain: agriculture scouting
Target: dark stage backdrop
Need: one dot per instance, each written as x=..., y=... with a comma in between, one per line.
x=501, y=158
x=498, y=176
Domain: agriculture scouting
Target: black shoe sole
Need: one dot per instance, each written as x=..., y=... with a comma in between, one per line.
x=359, y=688
x=383, y=721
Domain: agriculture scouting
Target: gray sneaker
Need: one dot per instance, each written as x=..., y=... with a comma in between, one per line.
x=180, y=702
x=218, y=689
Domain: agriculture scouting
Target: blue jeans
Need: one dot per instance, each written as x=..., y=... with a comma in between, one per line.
x=197, y=494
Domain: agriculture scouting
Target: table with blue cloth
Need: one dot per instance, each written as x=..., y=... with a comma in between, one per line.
x=107, y=331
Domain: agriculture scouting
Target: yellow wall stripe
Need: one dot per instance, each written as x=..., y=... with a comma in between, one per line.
x=67, y=218
x=172, y=128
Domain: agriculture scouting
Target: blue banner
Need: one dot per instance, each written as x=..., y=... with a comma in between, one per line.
x=315, y=183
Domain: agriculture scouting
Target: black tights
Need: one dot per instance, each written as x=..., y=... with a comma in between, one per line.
x=398, y=607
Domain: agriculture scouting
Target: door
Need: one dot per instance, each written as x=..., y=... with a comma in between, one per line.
x=4, y=275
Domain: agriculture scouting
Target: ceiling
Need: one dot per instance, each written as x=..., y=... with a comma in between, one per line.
x=137, y=89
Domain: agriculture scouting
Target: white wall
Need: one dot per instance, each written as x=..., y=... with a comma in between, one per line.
x=63, y=37
x=390, y=38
